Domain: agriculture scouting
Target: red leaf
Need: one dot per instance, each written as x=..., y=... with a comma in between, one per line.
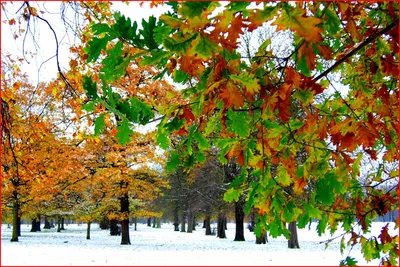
x=384, y=236
x=284, y=109
x=187, y=113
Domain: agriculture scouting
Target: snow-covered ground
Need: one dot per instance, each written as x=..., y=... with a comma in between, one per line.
x=152, y=246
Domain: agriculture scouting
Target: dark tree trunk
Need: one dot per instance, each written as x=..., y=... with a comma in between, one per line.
x=262, y=239
x=46, y=223
x=293, y=241
x=125, y=220
x=207, y=224
x=190, y=222
x=158, y=223
x=114, y=228
x=149, y=221
x=104, y=223
x=35, y=225
x=176, y=218
x=221, y=224
x=88, y=230
x=135, y=223
x=183, y=222
x=239, y=220
x=59, y=225
x=16, y=223
x=154, y=222
x=194, y=223
x=62, y=223
x=226, y=224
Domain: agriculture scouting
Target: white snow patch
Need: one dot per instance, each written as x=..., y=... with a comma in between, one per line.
x=152, y=246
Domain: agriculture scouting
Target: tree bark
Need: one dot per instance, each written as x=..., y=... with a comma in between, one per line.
x=88, y=230
x=59, y=224
x=158, y=223
x=135, y=223
x=190, y=222
x=207, y=224
x=62, y=223
x=221, y=224
x=35, y=225
x=149, y=222
x=176, y=218
x=293, y=241
x=154, y=222
x=14, y=237
x=239, y=220
x=114, y=228
x=46, y=223
x=183, y=222
x=262, y=239
x=125, y=220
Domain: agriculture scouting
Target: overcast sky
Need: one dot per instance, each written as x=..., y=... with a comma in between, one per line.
x=44, y=44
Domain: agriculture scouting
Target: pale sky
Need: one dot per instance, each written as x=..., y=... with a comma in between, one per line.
x=44, y=38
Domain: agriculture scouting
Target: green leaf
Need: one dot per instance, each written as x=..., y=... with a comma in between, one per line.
x=89, y=107
x=125, y=29
x=201, y=140
x=204, y=47
x=95, y=47
x=148, y=32
x=322, y=225
x=349, y=261
x=248, y=81
x=192, y=9
x=295, y=124
x=291, y=213
x=333, y=22
x=100, y=28
x=312, y=212
x=238, y=123
x=90, y=87
x=305, y=96
x=173, y=162
x=179, y=44
x=99, y=125
x=123, y=132
x=274, y=128
x=163, y=140
x=283, y=176
x=369, y=250
x=232, y=194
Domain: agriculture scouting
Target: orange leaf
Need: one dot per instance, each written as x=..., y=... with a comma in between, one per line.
x=11, y=22
x=299, y=184
x=231, y=95
x=187, y=113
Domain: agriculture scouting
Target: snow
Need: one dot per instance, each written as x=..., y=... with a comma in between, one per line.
x=163, y=246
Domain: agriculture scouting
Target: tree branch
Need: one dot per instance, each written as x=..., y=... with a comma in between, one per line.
x=355, y=50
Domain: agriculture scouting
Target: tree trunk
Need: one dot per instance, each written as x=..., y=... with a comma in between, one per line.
x=176, y=218
x=207, y=224
x=149, y=221
x=59, y=224
x=158, y=222
x=239, y=220
x=154, y=222
x=125, y=220
x=14, y=237
x=194, y=223
x=104, y=223
x=135, y=223
x=35, y=225
x=18, y=218
x=62, y=223
x=46, y=223
x=114, y=228
x=293, y=241
x=190, y=222
x=183, y=222
x=88, y=230
x=221, y=224
x=262, y=239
